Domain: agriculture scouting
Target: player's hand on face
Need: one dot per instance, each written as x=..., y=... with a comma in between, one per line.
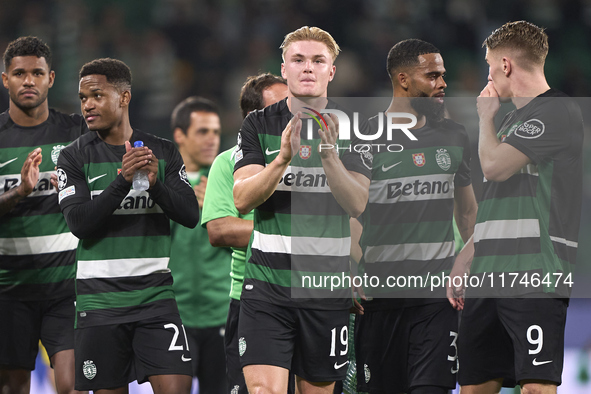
x=329, y=137
x=290, y=139
x=488, y=103
x=134, y=159
x=200, y=190
x=30, y=173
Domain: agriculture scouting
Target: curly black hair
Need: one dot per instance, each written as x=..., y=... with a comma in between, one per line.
x=27, y=46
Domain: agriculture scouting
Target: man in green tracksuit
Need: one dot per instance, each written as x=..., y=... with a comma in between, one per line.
x=226, y=226
x=200, y=271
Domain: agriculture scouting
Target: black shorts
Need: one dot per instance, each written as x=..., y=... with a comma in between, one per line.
x=398, y=349
x=112, y=356
x=24, y=323
x=208, y=358
x=234, y=374
x=313, y=344
x=512, y=338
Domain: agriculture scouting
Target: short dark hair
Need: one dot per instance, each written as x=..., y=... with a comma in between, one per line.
x=523, y=36
x=251, y=94
x=117, y=72
x=27, y=46
x=406, y=54
x=181, y=116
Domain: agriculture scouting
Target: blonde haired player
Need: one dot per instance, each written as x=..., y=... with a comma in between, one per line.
x=277, y=331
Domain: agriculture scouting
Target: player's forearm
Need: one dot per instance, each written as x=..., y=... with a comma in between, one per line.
x=251, y=191
x=85, y=218
x=466, y=255
x=180, y=207
x=9, y=199
x=487, y=145
x=350, y=192
x=356, y=231
x=465, y=222
x=465, y=209
x=499, y=161
x=229, y=231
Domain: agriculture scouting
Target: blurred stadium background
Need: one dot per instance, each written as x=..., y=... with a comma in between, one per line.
x=178, y=48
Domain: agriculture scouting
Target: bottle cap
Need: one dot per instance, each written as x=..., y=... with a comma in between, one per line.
x=138, y=144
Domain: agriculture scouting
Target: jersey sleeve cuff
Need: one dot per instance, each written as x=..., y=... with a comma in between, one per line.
x=523, y=149
x=244, y=162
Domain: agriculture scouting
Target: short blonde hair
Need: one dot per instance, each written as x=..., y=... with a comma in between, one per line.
x=530, y=40
x=307, y=33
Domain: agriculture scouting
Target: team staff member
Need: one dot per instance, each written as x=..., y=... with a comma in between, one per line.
x=127, y=322
x=226, y=227
x=527, y=223
x=283, y=326
x=403, y=339
x=37, y=250
x=200, y=271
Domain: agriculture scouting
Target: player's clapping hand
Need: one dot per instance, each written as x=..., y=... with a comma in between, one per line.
x=290, y=139
x=152, y=168
x=200, y=190
x=53, y=178
x=329, y=137
x=488, y=103
x=30, y=173
x=136, y=158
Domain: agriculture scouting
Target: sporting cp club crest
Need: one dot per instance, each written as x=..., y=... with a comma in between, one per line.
x=305, y=151
x=366, y=373
x=89, y=369
x=443, y=159
x=418, y=159
x=367, y=159
x=511, y=130
x=241, y=346
x=55, y=153
x=183, y=175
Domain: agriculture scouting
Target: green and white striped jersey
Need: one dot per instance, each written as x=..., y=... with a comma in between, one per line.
x=408, y=222
x=123, y=273
x=37, y=250
x=301, y=234
x=529, y=224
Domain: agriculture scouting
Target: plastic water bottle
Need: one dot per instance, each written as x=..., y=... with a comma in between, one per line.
x=140, y=178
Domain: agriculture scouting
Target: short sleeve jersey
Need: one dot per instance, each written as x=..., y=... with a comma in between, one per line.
x=408, y=223
x=529, y=223
x=37, y=250
x=219, y=203
x=301, y=234
x=122, y=273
